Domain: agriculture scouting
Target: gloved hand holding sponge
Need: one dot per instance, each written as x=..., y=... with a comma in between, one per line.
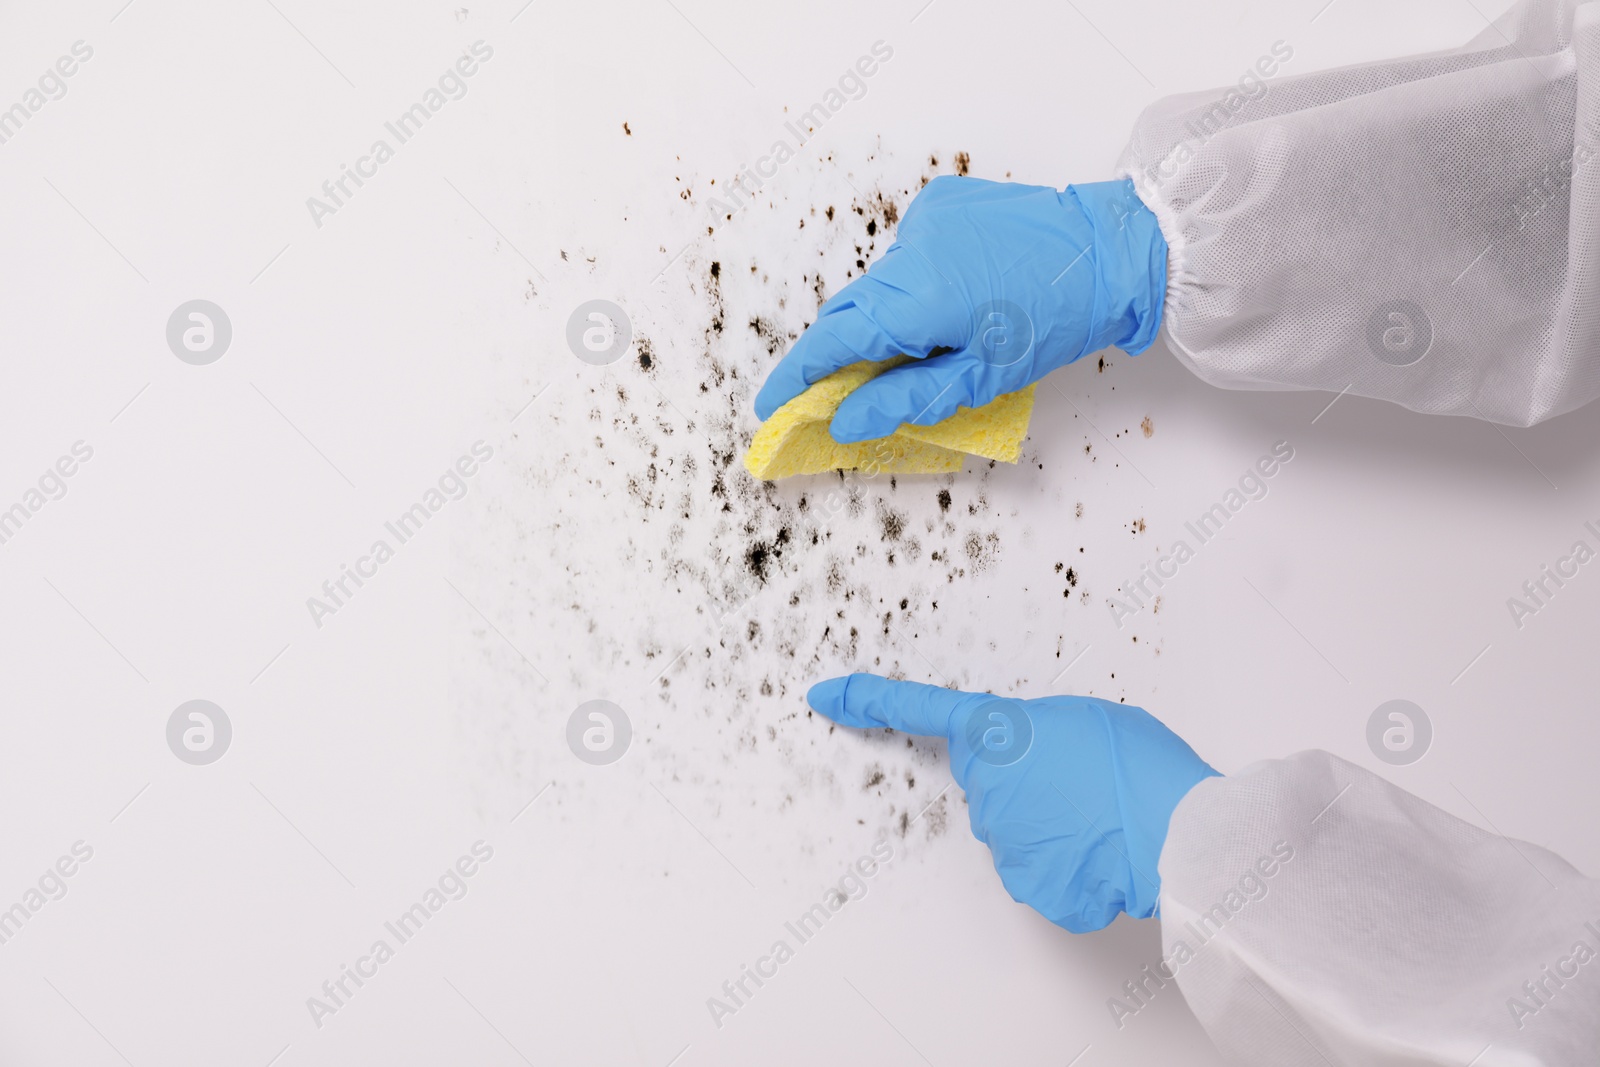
x=933, y=353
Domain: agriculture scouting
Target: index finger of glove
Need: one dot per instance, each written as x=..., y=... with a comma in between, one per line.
x=921, y=394
x=866, y=700
x=836, y=340
x=903, y=306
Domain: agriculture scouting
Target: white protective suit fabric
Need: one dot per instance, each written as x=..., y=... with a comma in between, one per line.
x=1423, y=230
x=1313, y=913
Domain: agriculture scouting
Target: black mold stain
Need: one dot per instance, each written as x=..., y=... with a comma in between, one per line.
x=772, y=337
x=891, y=522
x=756, y=560
x=791, y=581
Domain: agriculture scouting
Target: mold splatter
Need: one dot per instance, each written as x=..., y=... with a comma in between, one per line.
x=634, y=557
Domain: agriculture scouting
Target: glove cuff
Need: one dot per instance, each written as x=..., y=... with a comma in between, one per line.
x=1130, y=266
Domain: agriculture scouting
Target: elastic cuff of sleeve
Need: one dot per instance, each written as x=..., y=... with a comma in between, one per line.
x=1131, y=265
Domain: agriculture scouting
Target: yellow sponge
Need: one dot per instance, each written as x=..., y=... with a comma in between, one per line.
x=796, y=439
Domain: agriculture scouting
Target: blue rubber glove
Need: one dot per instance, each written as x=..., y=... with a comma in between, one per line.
x=1071, y=794
x=991, y=286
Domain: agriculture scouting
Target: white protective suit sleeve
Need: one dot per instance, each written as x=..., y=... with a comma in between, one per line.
x=1423, y=230
x=1312, y=913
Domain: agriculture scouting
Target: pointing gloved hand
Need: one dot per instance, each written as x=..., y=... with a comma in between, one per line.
x=1071, y=794
x=991, y=286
